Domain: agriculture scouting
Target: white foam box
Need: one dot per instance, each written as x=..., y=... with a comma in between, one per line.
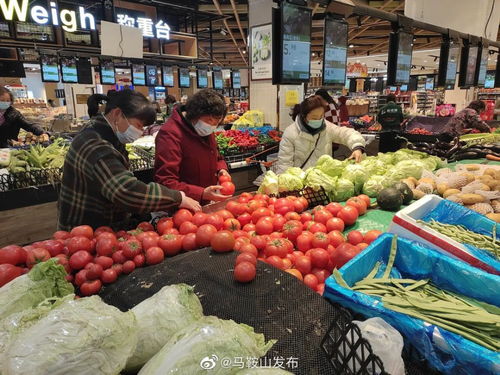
x=405, y=224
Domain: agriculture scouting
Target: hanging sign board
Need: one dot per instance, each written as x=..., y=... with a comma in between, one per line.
x=261, y=47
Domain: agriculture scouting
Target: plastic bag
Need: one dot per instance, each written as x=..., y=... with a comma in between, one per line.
x=251, y=118
x=386, y=342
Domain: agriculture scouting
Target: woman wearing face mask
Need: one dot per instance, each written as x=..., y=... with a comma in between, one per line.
x=11, y=120
x=187, y=158
x=311, y=136
x=97, y=187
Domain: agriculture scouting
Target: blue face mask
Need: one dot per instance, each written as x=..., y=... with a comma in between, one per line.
x=4, y=105
x=203, y=129
x=315, y=124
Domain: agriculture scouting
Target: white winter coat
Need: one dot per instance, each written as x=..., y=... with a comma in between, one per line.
x=296, y=144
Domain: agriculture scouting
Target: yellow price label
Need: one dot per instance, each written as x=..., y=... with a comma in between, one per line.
x=291, y=98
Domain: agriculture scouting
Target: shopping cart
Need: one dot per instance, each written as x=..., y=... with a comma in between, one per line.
x=266, y=159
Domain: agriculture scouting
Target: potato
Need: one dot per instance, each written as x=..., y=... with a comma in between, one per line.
x=472, y=167
x=489, y=171
x=494, y=217
x=469, y=176
x=414, y=180
x=485, y=177
x=493, y=184
x=417, y=194
x=429, y=181
x=472, y=198
x=441, y=188
x=484, y=187
x=409, y=182
x=449, y=192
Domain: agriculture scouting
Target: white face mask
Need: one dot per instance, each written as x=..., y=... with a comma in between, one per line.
x=203, y=129
x=4, y=105
x=128, y=136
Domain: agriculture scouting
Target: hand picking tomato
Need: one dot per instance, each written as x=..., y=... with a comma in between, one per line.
x=224, y=178
x=228, y=188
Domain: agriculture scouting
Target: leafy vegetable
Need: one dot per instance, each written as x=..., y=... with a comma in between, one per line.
x=316, y=179
x=289, y=182
x=269, y=184
x=374, y=166
x=296, y=171
x=330, y=166
x=344, y=189
x=185, y=352
x=374, y=185
x=159, y=317
x=83, y=336
x=357, y=174
x=45, y=280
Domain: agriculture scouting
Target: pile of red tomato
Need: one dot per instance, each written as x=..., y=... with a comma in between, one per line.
x=308, y=245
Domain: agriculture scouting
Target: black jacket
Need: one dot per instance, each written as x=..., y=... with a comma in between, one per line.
x=14, y=121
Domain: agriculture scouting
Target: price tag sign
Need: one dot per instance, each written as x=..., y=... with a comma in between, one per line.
x=291, y=98
x=296, y=59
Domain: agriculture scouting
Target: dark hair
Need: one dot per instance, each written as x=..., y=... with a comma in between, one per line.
x=325, y=95
x=132, y=103
x=4, y=90
x=170, y=99
x=391, y=98
x=206, y=102
x=477, y=105
x=93, y=103
x=306, y=106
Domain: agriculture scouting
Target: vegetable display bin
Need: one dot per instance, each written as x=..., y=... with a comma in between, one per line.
x=448, y=352
x=405, y=223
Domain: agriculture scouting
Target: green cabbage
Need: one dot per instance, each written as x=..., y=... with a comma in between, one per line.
x=269, y=184
x=386, y=158
x=173, y=308
x=374, y=166
x=411, y=168
x=263, y=371
x=289, y=182
x=344, y=189
x=430, y=164
x=355, y=173
x=316, y=179
x=296, y=171
x=332, y=167
x=373, y=186
x=45, y=280
x=197, y=347
x=82, y=336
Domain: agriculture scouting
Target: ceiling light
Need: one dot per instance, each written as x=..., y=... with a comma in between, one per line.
x=351, y=45
x=244, y=52
x=223, y=32
x=313, y=54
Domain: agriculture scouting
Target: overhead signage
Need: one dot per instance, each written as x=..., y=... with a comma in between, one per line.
x=160, y=30
x=18, y=10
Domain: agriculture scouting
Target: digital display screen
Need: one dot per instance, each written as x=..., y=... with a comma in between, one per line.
x=403, y=88
x=84, y=70
x=489, y=82
x=138, y=74
x=218, y=82
x=403, y=67
x=202, y=78
x=335, y=52
x=483, y=66
x=236, y=78
x=471, y=66
x=12, y=69
x=108, y=72
x=50, y=68
x=429, y=83
x=451, y=67
x=69, y=70
x=168, y=76
x=184, y=80
x=296, y=43
x=152, y=77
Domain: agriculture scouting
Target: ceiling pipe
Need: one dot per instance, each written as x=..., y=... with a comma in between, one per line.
x=237, y=16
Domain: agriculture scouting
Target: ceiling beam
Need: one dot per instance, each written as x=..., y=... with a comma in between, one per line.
x=224, y=9
x=233, y=4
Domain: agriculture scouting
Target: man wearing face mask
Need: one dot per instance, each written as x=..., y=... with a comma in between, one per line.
x=311, y=136
x=187, y=158
x=11, y=120
x=97, y=187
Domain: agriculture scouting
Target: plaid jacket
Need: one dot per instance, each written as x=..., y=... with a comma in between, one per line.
x=97, y=187
x=331, y=114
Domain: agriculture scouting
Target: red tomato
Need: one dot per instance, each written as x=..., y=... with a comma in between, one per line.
x=322, y=216
x=215, y=220
x=244, y=272
x=276, y=247
x=371, y=236
x=131, y=248
x=80, y=277
x=89, y=288
x=336, y=238
x=171, y=244
x=118, y=257
x=311, y=281
x=9, y=272
x=228, y=188
x=259, y=242
x=283, y=209
x=292, y=229
x=320, y=289
x=261, y=197
x=150, y=241
x=77, y=243
x=240, y=233
x=145, y=226
x=54, y=247
x=224, y=178
x=297, y=254
x=139, y=260
x=304, y=241
x=278, y=223
x=163, y=224
x=154, y=255
x=245, y=219
x=239, y=242
x=204, y=234
x=361, y=246
x=171, y=231
x=181, y=216
x=358, y=203
x=366, y=199
x=287, y=263
x=292, y=216
x=260, y=213
x=305, y=217
x=121, y=234
x=79, y=260
x=222, y=241
x=12, y=254
x=345, y=252
x=107, y=235
x=246, y=257
x=37, y=255
x=334, y=208
x=275, y=261
x=199, y=218
x=303, y=264
x=187, y=227
x=225, y=214
x=296, y=273
x=335, y=224
x=349, y=215
x=298, y=206
x=249, y=228
x=189, y=242
x=109, y=276
x=104, y=261
x=61, y=235
x=233, y=207
x=243, y=199
x=304, y=202
x=319, y=258
x=320, y=240
x=264, y=226
x=101, y=230
x=106, y=246
x=63, y=260
x=249, y=248
x=118, y=268
x=354, y=237
x=317, y=227
x=232, y=224
x=321, y=274
x=94, y=271
x=83, y=230
x=128, y=267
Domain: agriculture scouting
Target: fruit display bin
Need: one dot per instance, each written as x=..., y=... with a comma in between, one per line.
x=405, y=223
x=445, y=351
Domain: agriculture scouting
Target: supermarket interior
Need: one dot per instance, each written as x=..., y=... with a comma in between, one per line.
x=249, y=187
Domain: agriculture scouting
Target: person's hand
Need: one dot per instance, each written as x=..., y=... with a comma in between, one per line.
x=223, y=172
x=212, y=193
x=356, y=155
x=189, y=203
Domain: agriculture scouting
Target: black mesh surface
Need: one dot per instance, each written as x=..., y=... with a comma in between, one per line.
x=275, y=303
